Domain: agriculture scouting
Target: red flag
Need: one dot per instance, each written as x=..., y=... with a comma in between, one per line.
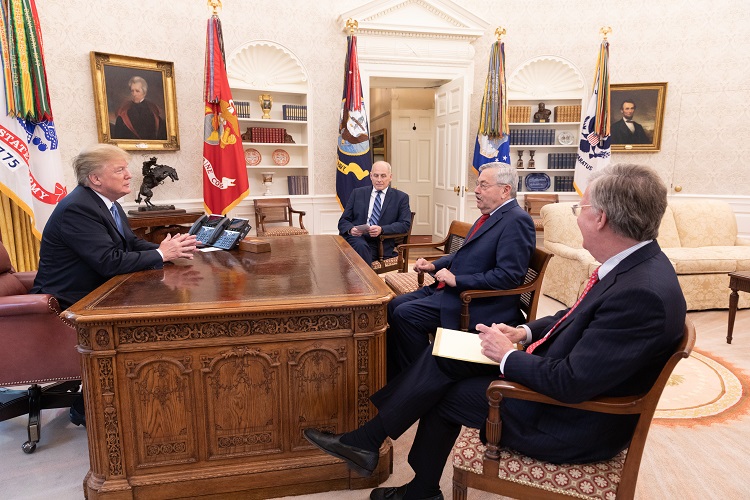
x=225, y=181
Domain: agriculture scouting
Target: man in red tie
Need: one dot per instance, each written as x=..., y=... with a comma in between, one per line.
x=613, y=343
x=494, y=256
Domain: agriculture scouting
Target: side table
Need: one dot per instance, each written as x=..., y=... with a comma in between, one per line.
x=154, y=226
x=737, y=282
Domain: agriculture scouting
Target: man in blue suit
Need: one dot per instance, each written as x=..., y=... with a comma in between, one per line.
x=87, y=239
x=385, y=210
x=613, y=342
x=495, y=256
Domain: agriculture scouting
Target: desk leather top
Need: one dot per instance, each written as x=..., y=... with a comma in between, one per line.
x=300, y=272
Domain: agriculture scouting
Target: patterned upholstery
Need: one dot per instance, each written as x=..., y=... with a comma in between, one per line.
x=698, y=237
x=392, y=261
x=593, y=480
x=402, y=283
x=283, y=231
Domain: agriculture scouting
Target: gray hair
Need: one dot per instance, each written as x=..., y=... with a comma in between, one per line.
x=93, y=158
x=504, y=174
x=384, y=163
x=138, y=79
x=633, y=197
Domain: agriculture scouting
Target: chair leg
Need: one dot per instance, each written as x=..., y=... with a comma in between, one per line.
x=459, y=484
x=35, y=424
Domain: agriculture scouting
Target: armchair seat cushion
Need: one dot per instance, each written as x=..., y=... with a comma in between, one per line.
x=402, y=283
x=391, y=261
x=591, y=480
x=283, y=231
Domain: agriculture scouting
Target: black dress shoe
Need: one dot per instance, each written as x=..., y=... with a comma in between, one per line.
x=396, y=493
x=78, y=412
x=363, y=462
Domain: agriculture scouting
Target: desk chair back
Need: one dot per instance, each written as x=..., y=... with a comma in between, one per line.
x=279, y=211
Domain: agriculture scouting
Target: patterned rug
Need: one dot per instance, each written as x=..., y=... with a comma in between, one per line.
x=703, y=390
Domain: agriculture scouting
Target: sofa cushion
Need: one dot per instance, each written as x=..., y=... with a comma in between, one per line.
x=668, y=237
x=713, y=259
x=704, y=223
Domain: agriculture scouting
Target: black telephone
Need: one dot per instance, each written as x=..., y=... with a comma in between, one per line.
x=220, y=231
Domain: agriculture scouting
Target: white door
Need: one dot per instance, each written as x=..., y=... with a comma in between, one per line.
x=451, y=118
x=412, y=157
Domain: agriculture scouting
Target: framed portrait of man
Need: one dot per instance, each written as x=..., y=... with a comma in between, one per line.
x=637, y=116
x=135, y=102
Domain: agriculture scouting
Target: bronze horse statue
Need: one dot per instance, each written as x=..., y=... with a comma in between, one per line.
x=153, y=175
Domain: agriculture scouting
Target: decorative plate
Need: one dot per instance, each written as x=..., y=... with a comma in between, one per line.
x=537, y=181
x=280, y=157
x=565, y=138
x=252, y=156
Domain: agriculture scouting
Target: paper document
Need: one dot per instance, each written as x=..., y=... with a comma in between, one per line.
x=456, y=344
x=363, y=227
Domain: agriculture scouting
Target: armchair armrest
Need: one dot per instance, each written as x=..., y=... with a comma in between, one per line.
x=26, y=278
x=19, y=305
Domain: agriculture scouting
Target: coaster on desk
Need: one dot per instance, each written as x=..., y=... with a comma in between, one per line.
x=255, y=246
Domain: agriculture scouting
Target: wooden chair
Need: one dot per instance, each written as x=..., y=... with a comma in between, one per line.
x=405, y=281
x=387, y=264
x=530, y=290
x=494, y=469
x=533, y=203
x=274, y=211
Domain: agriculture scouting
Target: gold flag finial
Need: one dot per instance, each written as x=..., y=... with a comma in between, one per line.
x=605, y=30
x=499, y=32
x=215, y=5
x=351, y=25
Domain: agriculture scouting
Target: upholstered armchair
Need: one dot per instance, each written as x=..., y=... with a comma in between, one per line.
x=385, y=264
x=278, y=211
x=38, y=348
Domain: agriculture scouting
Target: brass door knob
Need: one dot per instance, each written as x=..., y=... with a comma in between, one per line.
x=457, y=190
x=677, y=189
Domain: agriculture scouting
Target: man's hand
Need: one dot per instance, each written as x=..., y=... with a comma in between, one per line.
x=446, y=277
x=355, y=232
x=375, y=231
x=182, y=245
x=423, y=265
x=497, y=339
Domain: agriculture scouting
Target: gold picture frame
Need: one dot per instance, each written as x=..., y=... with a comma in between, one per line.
x=646, y=101
x=379, y=145
x=118, y=82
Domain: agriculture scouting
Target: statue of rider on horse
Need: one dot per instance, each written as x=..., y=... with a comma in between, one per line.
x=153, y=175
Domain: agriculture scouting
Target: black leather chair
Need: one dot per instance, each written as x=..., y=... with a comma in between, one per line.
x=38, y=348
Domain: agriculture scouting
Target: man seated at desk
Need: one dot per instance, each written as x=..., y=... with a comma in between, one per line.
x=385, y=210
x=87, y=239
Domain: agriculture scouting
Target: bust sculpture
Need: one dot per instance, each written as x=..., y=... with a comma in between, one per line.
x=542, y=115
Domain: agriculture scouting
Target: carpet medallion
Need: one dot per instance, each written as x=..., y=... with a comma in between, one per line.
x=702, y=387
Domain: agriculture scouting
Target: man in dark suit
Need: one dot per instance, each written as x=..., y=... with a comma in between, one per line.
x=87, y=239
x=385, y=210
x=613, y=342
x=495, y=256
x=627, y=131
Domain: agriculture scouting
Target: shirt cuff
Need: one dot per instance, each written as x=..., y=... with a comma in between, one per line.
x=528, y=334
x=502, y=361
x=160, y=254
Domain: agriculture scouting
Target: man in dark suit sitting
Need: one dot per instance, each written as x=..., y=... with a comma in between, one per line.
x=385, y=210
x=87, y=239
x=494, y=256
x=613, y=342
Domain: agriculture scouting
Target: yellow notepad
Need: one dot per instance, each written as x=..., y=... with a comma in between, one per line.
x=456, y=344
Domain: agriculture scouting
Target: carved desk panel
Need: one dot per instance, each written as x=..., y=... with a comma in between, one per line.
x=199, y=379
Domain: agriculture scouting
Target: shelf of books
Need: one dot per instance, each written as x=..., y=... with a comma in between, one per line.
x=543, y=143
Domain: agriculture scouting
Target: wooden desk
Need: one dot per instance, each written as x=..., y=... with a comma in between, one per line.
x=737, y=282
x=154, y=227
x=199, y=379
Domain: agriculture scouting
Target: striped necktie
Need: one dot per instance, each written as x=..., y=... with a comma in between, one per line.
x=375, y=217
x=116, y=216
x=593, y=280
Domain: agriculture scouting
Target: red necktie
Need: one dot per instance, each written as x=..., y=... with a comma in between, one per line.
x=477, y=225
x=593, y=280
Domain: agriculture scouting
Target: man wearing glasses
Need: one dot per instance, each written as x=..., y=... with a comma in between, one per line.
x=495, y=256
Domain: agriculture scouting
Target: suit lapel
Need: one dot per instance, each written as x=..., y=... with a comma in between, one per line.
x=386, y=201
x=106, y=215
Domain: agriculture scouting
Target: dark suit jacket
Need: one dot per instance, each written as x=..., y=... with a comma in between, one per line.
x=614, y=344
x=81, y=248
x=495, y=258
x=621, y=134
x=395, y=214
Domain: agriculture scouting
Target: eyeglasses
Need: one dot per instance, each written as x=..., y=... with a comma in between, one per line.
x=577, y=209
x=484, y=186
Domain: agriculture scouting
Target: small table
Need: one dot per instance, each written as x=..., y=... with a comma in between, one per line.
x=154, y=226
x=737, y=282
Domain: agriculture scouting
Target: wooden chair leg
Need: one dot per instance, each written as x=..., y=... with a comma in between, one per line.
x=459, y=484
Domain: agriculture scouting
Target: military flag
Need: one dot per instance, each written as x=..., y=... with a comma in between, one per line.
x=225, y=182
x=31, y=172
x=594, y=141
x=354, y=156
x=493, y=140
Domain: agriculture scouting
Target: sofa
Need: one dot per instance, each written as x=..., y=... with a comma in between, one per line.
x=698, y=236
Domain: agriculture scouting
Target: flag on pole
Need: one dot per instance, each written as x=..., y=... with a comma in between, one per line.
x=493, y=144
x=354, y=157
x=225, y=182
x=594, y=142
x=31, y=171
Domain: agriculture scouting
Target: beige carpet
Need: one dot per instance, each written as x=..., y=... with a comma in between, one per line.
x=690, y=457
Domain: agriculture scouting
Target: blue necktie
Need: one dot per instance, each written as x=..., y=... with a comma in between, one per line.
x=375, y=217
x=116, y=216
